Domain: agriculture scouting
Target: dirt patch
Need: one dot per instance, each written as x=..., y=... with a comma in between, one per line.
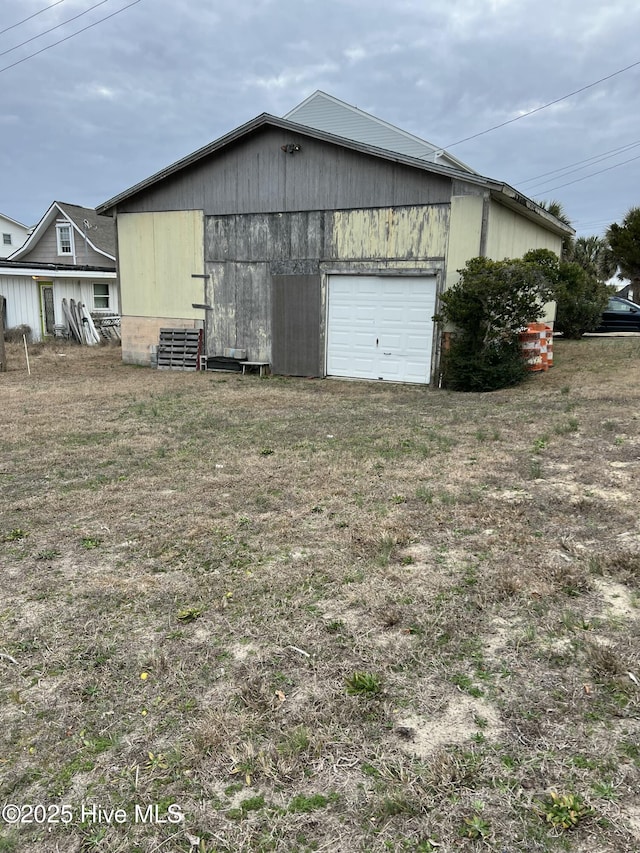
x=320, y=615
x=453, y=725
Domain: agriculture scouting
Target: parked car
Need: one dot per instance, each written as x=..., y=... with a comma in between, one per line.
x=620, y=315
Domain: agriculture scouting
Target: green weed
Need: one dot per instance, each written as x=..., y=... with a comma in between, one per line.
x=565, y=811
x=364, y=684
x=302, y=804
x=15, y=535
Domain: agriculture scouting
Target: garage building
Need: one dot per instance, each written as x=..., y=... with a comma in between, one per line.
x=316, y=253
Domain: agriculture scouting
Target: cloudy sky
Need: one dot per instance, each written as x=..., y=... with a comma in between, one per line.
x=88, y=117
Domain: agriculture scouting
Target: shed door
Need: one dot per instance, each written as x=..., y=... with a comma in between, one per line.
x=380, y=327
x=295, y=325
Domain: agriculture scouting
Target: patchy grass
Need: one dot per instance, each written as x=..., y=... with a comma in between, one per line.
x=315, y=615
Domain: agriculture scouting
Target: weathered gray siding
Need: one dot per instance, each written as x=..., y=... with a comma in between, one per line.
x=255, y=176
x=45, y=251
x=266, y=237
x=241, y=294
x=255, y=263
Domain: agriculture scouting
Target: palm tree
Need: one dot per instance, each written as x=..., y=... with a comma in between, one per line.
x=556, y=209
x=595, y=256
x=625, y=246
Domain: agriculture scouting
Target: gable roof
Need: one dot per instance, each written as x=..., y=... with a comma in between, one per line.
x=13, y=221
x=500, y=191
x=99, y=231
x=325, y=112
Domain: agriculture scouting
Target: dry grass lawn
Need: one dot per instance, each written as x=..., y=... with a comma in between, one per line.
x=319, y=615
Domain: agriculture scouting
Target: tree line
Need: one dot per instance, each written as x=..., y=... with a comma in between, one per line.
x=587, y=263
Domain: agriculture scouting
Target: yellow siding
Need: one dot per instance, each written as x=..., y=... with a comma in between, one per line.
x=464, y=234
x=158, y=254
x=511, y=235
x=404, y=233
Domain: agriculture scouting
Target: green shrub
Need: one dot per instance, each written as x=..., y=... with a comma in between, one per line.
x=498, y=366
x=580, y=296
x=489, y=306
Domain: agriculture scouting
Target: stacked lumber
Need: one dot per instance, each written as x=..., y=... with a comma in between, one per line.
x=80, y=322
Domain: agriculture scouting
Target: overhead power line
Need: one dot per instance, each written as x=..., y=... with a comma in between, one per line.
x=35, y=15
x=77, y=33
x=57, y=27
x=544, y=106
x=597, y=158
x=599, y=223
x=590, y=175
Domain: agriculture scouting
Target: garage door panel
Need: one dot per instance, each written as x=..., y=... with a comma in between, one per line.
x=392, y=342
x=380, y=327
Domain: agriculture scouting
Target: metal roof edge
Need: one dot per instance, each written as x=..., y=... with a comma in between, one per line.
x=516, y=200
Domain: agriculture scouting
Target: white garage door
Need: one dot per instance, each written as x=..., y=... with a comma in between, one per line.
x=380, y=327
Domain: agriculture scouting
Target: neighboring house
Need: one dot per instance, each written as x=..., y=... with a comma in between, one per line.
x=12, y=235
x=319, y=254
x=70, y=254
x=627, y=290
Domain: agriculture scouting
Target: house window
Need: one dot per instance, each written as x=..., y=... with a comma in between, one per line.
x=100, y=296
x=6, y=239
x=65, y=239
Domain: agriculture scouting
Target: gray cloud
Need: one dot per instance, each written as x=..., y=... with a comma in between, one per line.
x=92, y=116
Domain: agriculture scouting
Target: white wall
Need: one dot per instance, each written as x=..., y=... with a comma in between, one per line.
x=23, y=299
x=18, y=236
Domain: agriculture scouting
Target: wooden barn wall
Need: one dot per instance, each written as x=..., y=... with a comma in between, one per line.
x=256, y=176
x=241, y=254
x=266, y=237
x=245, y=254
x=241, y=294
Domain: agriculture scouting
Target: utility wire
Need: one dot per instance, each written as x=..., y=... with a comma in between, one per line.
x=544, y=106
x=35, y=14
x=596, y=158
x=579, y=169
x=57, y=26
x=55, y=43
x=601, y=223
x=584, y=177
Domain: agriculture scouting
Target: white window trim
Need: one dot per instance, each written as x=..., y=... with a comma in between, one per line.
x=6, y=242
x=59, y=226
x=108, y=295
